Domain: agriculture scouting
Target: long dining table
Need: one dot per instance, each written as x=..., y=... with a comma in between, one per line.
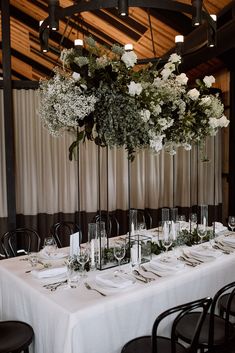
x=79, y=320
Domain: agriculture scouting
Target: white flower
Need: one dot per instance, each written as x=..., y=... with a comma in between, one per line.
x=208, y=80
x=175, y=58
x=134, y=88
x=214, y=123
x=129, y=58
x=165, y=123
x=81, y=61
x=102, y=61
x=169, y=66
x=166, y=73
x=155, y=141
x=205, y=100
x=193, y=94
x=145, y=115
x=223, y=121
x=76, y=76
x=187, y=146
x=182, y=79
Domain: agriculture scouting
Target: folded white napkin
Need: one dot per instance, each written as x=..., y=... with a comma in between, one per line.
x=230, y=241
x=219, y=227
x=203, y=254
x=51, y=272
x=52, y=256
x=113, y=280
x=168, y=267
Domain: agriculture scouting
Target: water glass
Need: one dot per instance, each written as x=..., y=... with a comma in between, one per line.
x=33, y=258
x=231, y=222
x=72, y=276
x=50, y=245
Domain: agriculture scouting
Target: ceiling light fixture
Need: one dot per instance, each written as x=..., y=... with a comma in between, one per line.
x=196, y=10
x=123, y=7
x=53, y=6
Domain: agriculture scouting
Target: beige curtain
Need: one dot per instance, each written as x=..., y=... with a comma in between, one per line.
x=47, y=182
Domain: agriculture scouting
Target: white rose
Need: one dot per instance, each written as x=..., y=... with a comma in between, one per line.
x=169, y=66
x=145, y=115
x=129, y=58
x=156, y=142
x=193, y=94
x=182, y=79
x=134, y=88
x=223, y=121
x=175, y=58
x=205, y=101
x=76, y=76
x=165, y=74
x=214, y=123
x=208, y=80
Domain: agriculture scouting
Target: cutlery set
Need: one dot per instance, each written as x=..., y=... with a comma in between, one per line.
x=53, y=286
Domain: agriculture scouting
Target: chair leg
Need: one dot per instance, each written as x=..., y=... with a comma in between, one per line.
x=26, y=350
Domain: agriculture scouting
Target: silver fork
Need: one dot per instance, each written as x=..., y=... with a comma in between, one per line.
x=91, y=288
x=145, y=270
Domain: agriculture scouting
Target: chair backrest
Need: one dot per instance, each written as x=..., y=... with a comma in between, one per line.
x=178, y=312
x=214, y=304
x=111, y=223
x=61, y=231
x=20, y=241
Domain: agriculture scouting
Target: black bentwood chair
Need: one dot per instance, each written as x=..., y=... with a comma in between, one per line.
x=217, y=332
x=61, y=231
x=20, y=241
x=15, y=336
x=160, y=344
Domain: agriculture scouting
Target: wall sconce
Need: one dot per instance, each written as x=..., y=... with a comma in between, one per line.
x=123, y=7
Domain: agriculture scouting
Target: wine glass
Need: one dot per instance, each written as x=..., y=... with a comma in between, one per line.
x=141, y=226
x=167, y=238
x=50, y=245
x=119, y=252
x=201, y=232
x=231, y=222
x=83, y=257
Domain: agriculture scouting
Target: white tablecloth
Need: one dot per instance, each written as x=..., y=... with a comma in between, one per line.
x=82, y=321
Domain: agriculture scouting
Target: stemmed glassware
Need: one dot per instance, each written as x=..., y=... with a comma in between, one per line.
x=167, y=238
x=83, y=257
x=119, y=252
x=50, y=245
x=201, y=232
x=70, y=272
x=231, y=222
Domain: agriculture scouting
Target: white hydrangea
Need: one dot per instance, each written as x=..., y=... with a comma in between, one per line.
x=165, y=123
x=193, y=94
x=134, y=88
x=209, y=80
x=182, y=79
x=129, y=58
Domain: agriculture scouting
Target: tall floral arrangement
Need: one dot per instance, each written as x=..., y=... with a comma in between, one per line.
x=104, y=97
